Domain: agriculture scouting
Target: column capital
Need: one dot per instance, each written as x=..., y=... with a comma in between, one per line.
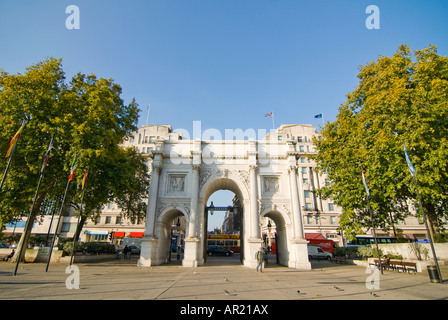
x=253, y=167
x=196, y=167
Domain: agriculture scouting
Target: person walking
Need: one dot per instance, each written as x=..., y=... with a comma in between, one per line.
x=259, y=256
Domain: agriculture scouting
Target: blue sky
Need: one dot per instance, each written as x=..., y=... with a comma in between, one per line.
x=223, y=62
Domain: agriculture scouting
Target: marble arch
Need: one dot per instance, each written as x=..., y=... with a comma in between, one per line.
x=263, y=173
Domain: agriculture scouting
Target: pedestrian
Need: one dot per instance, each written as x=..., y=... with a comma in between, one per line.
x=125, y=252
x=259, y=256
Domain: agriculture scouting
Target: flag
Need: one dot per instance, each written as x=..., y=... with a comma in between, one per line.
x=268, y=114
x=318, y=116
x=14, y=140
x=408, y=160
x=47, y=156
x=72, y=169
x=84, y=179
x=365, y=183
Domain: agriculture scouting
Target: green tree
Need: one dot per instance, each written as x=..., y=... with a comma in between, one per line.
x=398, y=99
x=86, y=117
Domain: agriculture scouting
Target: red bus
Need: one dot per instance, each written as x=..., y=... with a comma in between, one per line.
x=227, y=241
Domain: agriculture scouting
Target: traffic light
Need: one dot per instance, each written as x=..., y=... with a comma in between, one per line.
x=111, y=236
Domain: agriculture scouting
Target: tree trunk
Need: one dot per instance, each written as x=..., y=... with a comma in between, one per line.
x=27, y=231
x=82, y=220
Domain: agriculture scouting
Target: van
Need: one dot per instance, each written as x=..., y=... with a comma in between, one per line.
x=316, y=252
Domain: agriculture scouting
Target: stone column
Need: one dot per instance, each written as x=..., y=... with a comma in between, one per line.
x=192, y=242
x=192, y=225
x=296, y=212
x=255, y=223
x=149, y=240
x=317, y=186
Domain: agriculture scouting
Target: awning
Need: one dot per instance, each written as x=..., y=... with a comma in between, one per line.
x=101, y=233
x=118, y=234
x=314, y=236
x=136, y=234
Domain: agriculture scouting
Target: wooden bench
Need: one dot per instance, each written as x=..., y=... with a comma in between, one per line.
x=384, y=263
x=405, y=266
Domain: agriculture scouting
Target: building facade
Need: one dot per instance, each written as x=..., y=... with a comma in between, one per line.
x=273, y=178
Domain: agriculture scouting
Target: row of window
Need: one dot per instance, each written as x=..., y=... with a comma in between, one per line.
x=315, y=219
x=298, y=139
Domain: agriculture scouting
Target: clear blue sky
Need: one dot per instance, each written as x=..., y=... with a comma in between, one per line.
x=223, y=62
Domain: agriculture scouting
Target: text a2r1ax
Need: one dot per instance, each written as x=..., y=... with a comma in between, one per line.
x=230, y=309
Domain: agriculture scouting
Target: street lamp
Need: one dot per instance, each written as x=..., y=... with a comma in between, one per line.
x=212, y=208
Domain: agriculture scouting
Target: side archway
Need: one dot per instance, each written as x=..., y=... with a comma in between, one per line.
x=281, y=238
x=171, y=224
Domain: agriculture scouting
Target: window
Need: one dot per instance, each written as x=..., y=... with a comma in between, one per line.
x=280, y=138
x=152, y=139
x=330, y=207
x=299, y=139
x=118, y=220
x=131, y=139
x=302, y=159
x=301, y=149
x=108, y=219
x=309, y=219
x=305, y=181
x=333, y=220
x=308, y=206
x=307, y=194
x=304, y=170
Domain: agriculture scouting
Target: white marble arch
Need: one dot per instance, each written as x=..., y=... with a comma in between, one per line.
x=185, y=173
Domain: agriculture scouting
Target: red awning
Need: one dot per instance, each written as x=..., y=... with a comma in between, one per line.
x=136, y=234
x=118, y=234
x=314, y=236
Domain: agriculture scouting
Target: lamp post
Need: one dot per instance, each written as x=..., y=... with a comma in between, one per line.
x=211, y=208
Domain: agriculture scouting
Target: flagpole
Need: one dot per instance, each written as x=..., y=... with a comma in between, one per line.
x=12, y=155
x=273, y=125
x=57, y=226
x=75, y=236
x=428, y=230
x=27, y=222
x=7, y=166
x=371, y=218
x=147, y=114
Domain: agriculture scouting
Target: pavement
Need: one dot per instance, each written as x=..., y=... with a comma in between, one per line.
x=218, y=280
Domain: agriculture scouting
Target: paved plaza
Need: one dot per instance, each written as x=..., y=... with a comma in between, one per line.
x=220, y=279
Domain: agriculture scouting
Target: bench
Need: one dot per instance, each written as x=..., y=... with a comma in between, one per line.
x=405, y=266
x=385, y=263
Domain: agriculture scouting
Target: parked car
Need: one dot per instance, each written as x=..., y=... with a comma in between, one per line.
x=315, y=252
x=134, y=249
x=3, y=246
x=219, y=251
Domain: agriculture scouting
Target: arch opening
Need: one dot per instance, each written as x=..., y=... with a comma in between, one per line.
x=172, y=230
x=224, y=229
x=274, y=236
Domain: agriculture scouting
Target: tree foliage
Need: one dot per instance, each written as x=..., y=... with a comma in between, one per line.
x=86, y=117
x=403, y=98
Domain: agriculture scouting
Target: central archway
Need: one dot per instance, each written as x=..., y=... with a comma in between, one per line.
x=240, y=191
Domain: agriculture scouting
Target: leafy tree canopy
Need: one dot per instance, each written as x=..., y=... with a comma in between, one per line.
x=403, y=98
x=87, y=118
